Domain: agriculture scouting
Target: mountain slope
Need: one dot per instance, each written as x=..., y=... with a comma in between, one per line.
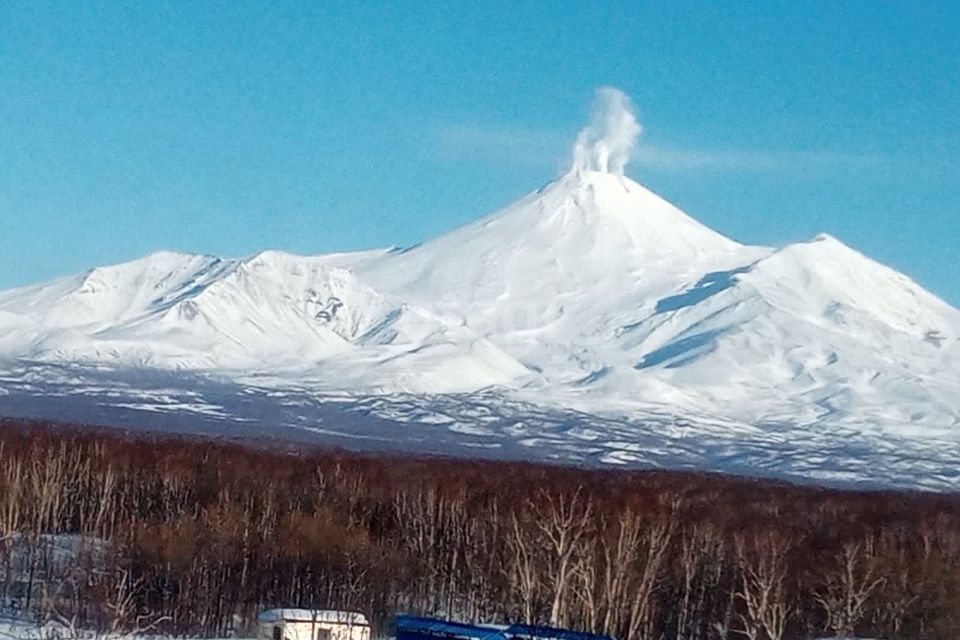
x=586, y=233
x=270, y=312
x=818, y=331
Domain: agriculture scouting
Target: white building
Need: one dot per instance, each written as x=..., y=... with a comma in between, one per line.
x=312, y=624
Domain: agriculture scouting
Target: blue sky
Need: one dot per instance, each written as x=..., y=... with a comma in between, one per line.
x=228, y=127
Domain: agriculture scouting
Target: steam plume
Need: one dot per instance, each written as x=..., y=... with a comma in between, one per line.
x=607, y=142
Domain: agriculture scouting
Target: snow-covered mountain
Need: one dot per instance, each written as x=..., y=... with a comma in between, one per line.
x=609, y=293
x=591, y=295
x=589, y=322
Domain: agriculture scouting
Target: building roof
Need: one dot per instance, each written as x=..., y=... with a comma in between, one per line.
x=416, y=628
x=313, y=615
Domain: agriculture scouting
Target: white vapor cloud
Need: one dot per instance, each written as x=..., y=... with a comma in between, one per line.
x=538, y=148
x=731, y=160
x=607, y=142
x=611, y=140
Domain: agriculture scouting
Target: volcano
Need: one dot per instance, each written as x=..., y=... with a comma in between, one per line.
x=590, y=322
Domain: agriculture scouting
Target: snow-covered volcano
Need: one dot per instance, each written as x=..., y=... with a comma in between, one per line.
x=590, y=321
x=613, y=298
x=590, y=295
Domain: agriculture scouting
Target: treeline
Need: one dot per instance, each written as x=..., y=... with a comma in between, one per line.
x=122, y=534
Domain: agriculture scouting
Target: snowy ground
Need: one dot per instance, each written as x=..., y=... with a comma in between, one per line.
x=20, y=629
x=13, y=628
x=484, y=424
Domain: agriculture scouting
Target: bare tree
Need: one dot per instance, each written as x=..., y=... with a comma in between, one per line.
x=564, y=519
x=654, y=542
x=523, y=569
x=619, y=555
x=764, y=566
x=848, y=585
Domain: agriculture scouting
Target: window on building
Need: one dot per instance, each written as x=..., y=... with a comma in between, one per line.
x=277, y=632
x=323, y=634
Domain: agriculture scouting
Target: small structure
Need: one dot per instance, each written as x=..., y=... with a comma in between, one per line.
x=416, y=628
x=312, y=624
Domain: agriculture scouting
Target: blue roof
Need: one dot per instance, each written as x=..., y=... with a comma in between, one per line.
x=417, y=628
x=529, y=631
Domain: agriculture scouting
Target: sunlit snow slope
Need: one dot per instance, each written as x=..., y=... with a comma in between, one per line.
x=591, y=295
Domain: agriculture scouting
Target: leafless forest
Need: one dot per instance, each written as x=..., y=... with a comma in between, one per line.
x=101, y=530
